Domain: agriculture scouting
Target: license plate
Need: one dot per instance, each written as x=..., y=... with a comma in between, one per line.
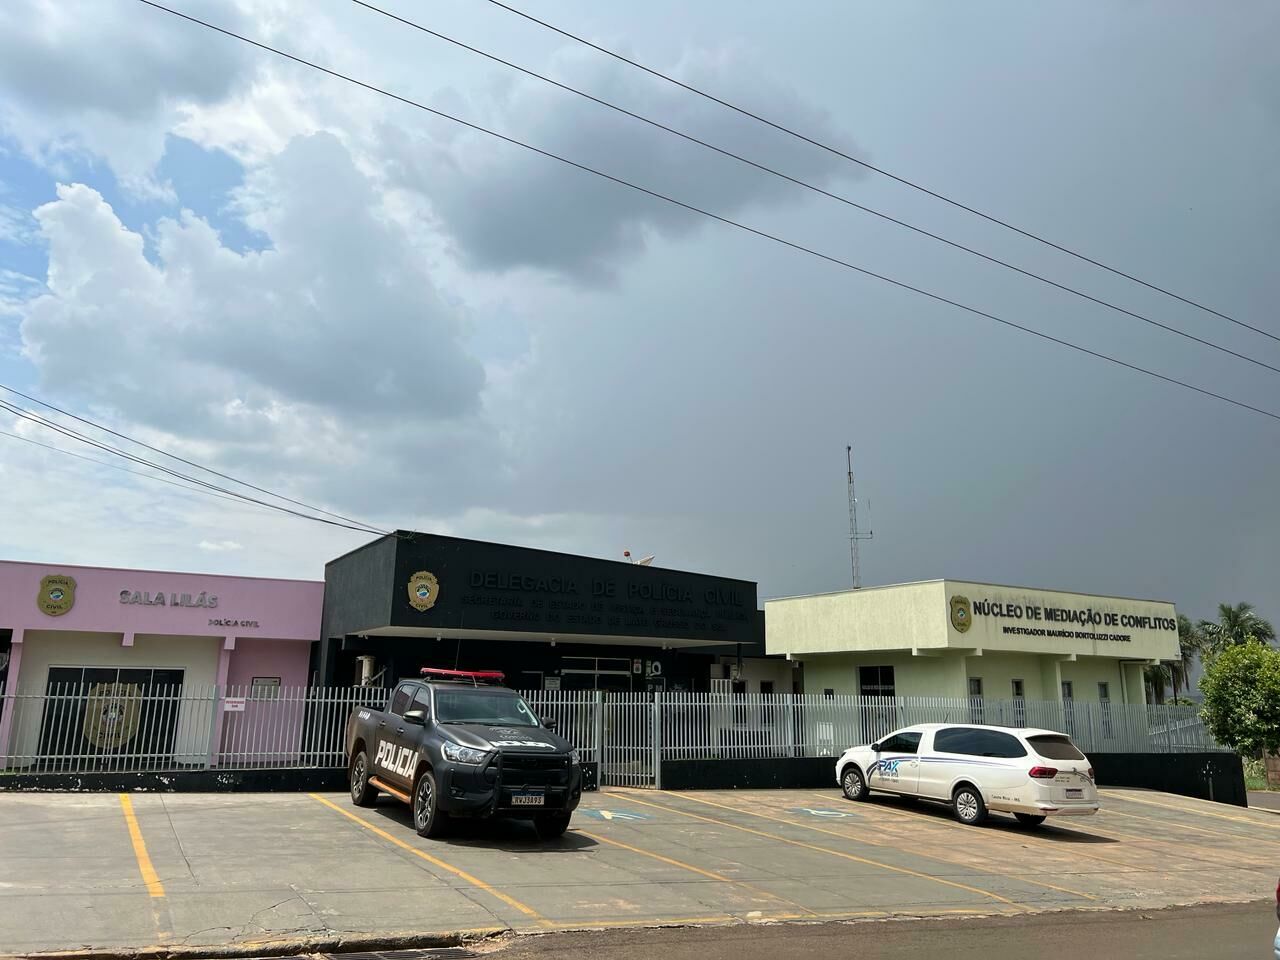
x=1075, y=793
x=526, y=799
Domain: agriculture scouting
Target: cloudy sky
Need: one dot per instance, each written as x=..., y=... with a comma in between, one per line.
x=365, y=307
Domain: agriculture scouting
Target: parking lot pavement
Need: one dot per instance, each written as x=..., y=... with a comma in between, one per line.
x=102, y=871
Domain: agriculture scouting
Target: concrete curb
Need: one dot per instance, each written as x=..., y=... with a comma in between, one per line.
x=275, y=948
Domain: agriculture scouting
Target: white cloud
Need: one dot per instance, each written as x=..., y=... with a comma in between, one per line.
x=220, y=546
x=16, y=226
x=331, y=351
x=110, y=80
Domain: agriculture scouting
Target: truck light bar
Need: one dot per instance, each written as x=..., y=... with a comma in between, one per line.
x=474, y=677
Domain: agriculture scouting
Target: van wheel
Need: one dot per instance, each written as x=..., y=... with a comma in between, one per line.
x=551, y=825
x=968, y=805
x=428, y=820
x=1030, y=819
x=362, y=794
x=854, y=784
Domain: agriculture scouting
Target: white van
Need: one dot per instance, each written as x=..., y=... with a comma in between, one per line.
x=1032, y=774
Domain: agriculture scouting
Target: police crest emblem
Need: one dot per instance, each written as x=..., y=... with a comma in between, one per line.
x=57, y=595
x=424, y=590
x=961, y=613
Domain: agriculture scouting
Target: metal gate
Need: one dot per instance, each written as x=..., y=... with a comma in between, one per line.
x=630, y=740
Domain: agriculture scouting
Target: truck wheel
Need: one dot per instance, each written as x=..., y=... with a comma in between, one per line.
x=428, y=820
x=551, y=825
x=362, y=795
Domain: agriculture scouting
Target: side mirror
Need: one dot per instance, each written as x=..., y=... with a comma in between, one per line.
x=549, y=723
x=875, y=747
x=416, y=717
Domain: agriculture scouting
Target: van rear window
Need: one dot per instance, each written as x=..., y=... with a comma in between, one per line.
x=1055, y=748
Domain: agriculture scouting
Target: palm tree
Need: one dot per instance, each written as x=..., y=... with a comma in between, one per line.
x=1157, y=677
x=1191, y=643
x=1234, y=627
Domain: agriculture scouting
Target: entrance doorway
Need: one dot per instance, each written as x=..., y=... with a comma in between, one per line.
x=596, y=673
x=879, y=712
x=110, y=711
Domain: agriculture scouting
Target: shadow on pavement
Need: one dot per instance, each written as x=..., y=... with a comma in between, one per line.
x=500, y=834
x=1003, y=823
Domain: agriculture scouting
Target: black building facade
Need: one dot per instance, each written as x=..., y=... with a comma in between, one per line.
x=547, y=620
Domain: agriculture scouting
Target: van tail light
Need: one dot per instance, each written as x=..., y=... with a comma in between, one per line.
x=1043, y=773
x=1091, y=776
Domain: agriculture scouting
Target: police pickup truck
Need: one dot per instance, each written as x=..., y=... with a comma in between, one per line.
x=458, y=744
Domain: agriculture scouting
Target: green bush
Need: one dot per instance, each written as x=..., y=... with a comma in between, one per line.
x=1241, y=687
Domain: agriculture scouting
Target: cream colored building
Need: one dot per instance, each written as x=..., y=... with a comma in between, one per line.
x=953, y=638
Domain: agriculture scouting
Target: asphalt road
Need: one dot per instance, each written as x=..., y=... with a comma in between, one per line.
x=1219, y=932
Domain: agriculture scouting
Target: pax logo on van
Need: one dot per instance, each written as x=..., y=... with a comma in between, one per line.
x=398, y=760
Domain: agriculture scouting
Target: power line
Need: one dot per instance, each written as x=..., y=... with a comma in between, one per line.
x=116, y=451
x=812, y=187
x=174, y=456
x=880, y=170
x=116, y=466
x=706, y=213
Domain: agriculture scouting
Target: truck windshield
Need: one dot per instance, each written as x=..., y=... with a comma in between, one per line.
x=483, y=706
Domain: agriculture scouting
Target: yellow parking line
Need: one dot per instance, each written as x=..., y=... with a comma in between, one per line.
x=149, y=876
x=1195, y=811
x=1207, y=831
x=475, y=881
x=926, y=856
x=835, y=853
x=1032, y=837
x=698, y=870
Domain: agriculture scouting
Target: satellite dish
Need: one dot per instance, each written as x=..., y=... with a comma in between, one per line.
x=645, y=562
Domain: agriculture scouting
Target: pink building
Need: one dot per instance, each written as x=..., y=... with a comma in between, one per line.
x=86, y=632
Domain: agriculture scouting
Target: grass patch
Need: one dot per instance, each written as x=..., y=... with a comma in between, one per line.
x=1255, y=776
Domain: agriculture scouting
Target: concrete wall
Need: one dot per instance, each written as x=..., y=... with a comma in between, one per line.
x=1037, y=621
x=874, y=618
x=106, y=599
x=256, y=657
x=998, y=671
x=781, y=673
x=197, y=656
x=1086, y=673
x=942, y=676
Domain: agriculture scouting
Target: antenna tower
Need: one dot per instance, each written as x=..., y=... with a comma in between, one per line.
x=854, y=534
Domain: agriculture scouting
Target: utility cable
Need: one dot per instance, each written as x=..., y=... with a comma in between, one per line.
x=116, y=451
x=116, y=466
x=880, y=170
x=810, y=186
x=703, y=212
x=174, y=456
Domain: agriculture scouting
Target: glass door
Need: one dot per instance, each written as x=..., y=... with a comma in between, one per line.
x=99, y=712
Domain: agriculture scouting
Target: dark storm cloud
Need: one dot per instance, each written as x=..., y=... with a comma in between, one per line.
x=508, y=208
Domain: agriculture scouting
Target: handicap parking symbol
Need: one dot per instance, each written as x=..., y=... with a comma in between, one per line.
x=623, y=815
x=824, y=814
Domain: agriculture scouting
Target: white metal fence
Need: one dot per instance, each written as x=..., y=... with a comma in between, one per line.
x=120, y=727
x=711, y=726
